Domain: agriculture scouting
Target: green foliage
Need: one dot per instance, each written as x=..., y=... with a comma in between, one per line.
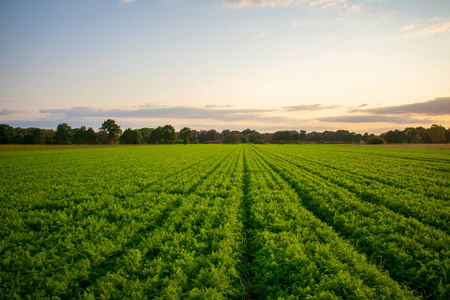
x=437, y=133
x=79, y=135
x=110, y=132
x=146, y=132
x=233, y=137
x=63, y=134
x=225, y=222
x=163, y=135
x=91, y=137
x=185, y=134
x=7, y=134
x=130, y=136
x=375, y=140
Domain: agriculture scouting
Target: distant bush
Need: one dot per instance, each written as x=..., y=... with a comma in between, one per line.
x=375, y=140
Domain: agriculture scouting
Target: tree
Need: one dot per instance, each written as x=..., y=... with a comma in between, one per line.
x=206, y=135
x=424, y=135
x=303, y=135
x=412, y=135
x=63, y=134
x=395, y=136
x=79, y=135
x=169, y=135
x=38, y=136
x=185, y=134
x=375, y=140
x=357, y=138
x=349, y=138
x=314, y=136
x=365, y=137
x=249, y=135
x=91, y=137
x=437, y=133
x=282, y=136
x=7, y=134
x=163, y=135
x=146, y=132
x=294, y=136
x=130, y=136
x=110, y=132
x=233, y=137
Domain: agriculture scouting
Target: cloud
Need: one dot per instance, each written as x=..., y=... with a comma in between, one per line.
x=177, y=112
x=408, y=27
x=170, y=1
x=371, y=119
x=352, y=8
x=439, y=106
x=440, y=27
x=217, y=106
x=363, y=105
x=6, y=112
x=296, y=23
x=272, y=3
x=432, y=29
x=326, y=3
x=125, y=1
x=341, y=5
x=243, y=3
x=312, y=107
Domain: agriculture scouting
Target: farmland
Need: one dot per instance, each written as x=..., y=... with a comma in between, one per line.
x=225, y=222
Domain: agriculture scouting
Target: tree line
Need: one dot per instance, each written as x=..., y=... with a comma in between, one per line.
x=111, y=133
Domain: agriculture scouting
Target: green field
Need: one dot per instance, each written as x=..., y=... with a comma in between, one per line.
x=225, y=222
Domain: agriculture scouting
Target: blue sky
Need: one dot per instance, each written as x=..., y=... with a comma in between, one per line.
x=268, y=65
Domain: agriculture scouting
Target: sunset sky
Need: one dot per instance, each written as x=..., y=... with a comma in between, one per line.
x=363, y=65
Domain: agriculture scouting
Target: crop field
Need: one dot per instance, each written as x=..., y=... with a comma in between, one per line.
x=225, y=222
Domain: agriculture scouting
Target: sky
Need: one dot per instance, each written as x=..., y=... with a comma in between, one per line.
x=314, y=65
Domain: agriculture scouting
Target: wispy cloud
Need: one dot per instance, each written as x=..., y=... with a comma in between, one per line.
x=296, y=23
x=272, y=3
x=371, y=119
x=217, y=106
x=414, y=31
x=243, y=3
x=352, y=8
x=414, y=113
x=6, y=112
x=440, y=27
x=326, y=3
x=125, y=1
x=312, y=107
x=439, y=106
x=408, y=27
x=178, y=112
x=171, y=1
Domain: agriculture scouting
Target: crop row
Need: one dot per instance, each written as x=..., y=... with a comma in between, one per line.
x=414, y=254
x=431, y=211
x=296, y=255
x=223, y=221
x=423, y=173
x=126, y=244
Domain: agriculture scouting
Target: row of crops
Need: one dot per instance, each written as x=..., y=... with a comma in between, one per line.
x=225, y=222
